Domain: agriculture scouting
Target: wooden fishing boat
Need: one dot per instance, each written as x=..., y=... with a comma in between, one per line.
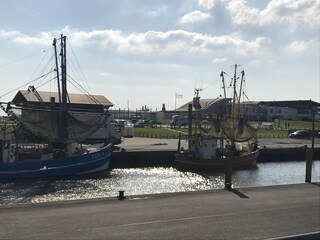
x=231, y=135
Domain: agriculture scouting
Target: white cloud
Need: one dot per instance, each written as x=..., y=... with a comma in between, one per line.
x=300, y=46
x=159, y=10
x=207, y=4
x=104, y=73
x=219, y=60
x=294, y=13
x=154, y=41
x=195, y=16
x=43, y=38
x=9, y=34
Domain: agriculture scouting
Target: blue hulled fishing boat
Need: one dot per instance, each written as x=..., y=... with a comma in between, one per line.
x=49, y=127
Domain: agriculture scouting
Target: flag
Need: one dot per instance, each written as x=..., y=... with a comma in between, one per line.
x=179, y=96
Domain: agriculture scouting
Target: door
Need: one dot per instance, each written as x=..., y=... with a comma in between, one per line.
x=1, y=151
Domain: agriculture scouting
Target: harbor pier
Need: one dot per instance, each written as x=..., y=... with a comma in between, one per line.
x=149, y=152
x=273, y=212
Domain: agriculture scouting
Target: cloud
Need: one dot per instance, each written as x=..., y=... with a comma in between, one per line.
x=159, y=10
x=206, y=4
x=43, y=38
x=195, y=16
x=300, y=46
x=219, y=60
x=294, y=13
x=149, y=42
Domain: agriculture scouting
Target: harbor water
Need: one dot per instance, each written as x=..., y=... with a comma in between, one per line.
x=141, y=181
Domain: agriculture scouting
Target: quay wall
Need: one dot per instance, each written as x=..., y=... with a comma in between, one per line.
x=138, y=159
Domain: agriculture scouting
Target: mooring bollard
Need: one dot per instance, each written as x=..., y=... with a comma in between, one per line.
x=309, y=158
x=121, y=195
x=228, y=171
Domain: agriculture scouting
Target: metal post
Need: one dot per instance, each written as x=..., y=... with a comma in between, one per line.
x=189, y=124
x=228, y=171
x=309, y=158
x=179, y=143
x=121, y=195
x=313, y=120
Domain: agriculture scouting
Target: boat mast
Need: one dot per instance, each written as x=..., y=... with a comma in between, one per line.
x=63, y=72
x=196, y=105
x=234, y=104
x=234, y=100
x=57, y=67
x=241, y=83
x=224, y=91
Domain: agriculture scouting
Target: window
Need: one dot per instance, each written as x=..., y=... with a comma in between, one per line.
x=6, y=144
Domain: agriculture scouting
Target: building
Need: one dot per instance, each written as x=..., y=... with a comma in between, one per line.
x=255, y=111
x=48, y=98
x=288, y=110
x=207, y=108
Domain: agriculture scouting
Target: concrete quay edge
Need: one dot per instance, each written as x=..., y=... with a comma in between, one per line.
x=245, y=213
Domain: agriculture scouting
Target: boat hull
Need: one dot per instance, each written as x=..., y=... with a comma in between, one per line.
x=188, y=161
x=69, y=166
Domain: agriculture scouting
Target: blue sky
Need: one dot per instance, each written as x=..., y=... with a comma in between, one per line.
x=142, y=52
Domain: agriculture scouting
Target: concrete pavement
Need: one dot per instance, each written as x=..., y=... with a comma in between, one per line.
x=155, y=144
x=247, y=213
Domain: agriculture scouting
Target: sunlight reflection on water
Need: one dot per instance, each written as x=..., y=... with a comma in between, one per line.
x=140, y=181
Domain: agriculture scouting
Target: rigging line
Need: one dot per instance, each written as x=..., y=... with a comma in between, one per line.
x=87, y=95
x=247, y=98
x=17, y=59
x=45, y=67
x=83, y=76
x=76, y=73
x=214, y=82
x=228, y=75
x=81, y=89
x=44, y=83
x=18, y=88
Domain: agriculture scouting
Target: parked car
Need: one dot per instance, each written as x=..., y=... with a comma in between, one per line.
x=300, y=134
x=139, y=123
x=179, y=121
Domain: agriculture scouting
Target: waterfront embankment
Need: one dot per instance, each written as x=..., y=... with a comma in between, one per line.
x=151, y=152
x=244, y=213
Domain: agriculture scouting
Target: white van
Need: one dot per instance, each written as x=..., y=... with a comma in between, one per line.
x=267, y=125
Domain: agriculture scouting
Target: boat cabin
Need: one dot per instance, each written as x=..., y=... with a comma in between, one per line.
x=205, y=147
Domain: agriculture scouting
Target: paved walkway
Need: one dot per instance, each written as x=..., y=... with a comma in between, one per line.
x=247, y=213
x=154, y=144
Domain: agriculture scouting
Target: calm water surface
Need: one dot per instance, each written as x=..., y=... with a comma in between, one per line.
x=141, y=181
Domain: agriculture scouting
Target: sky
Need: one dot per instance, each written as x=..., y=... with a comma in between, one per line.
x=144, y=52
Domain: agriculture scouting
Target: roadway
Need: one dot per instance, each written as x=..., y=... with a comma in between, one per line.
x=154, y=144
x=246, y=213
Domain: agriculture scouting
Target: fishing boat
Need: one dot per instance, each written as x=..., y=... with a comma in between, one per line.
x=50, y=127
x=230, y=136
